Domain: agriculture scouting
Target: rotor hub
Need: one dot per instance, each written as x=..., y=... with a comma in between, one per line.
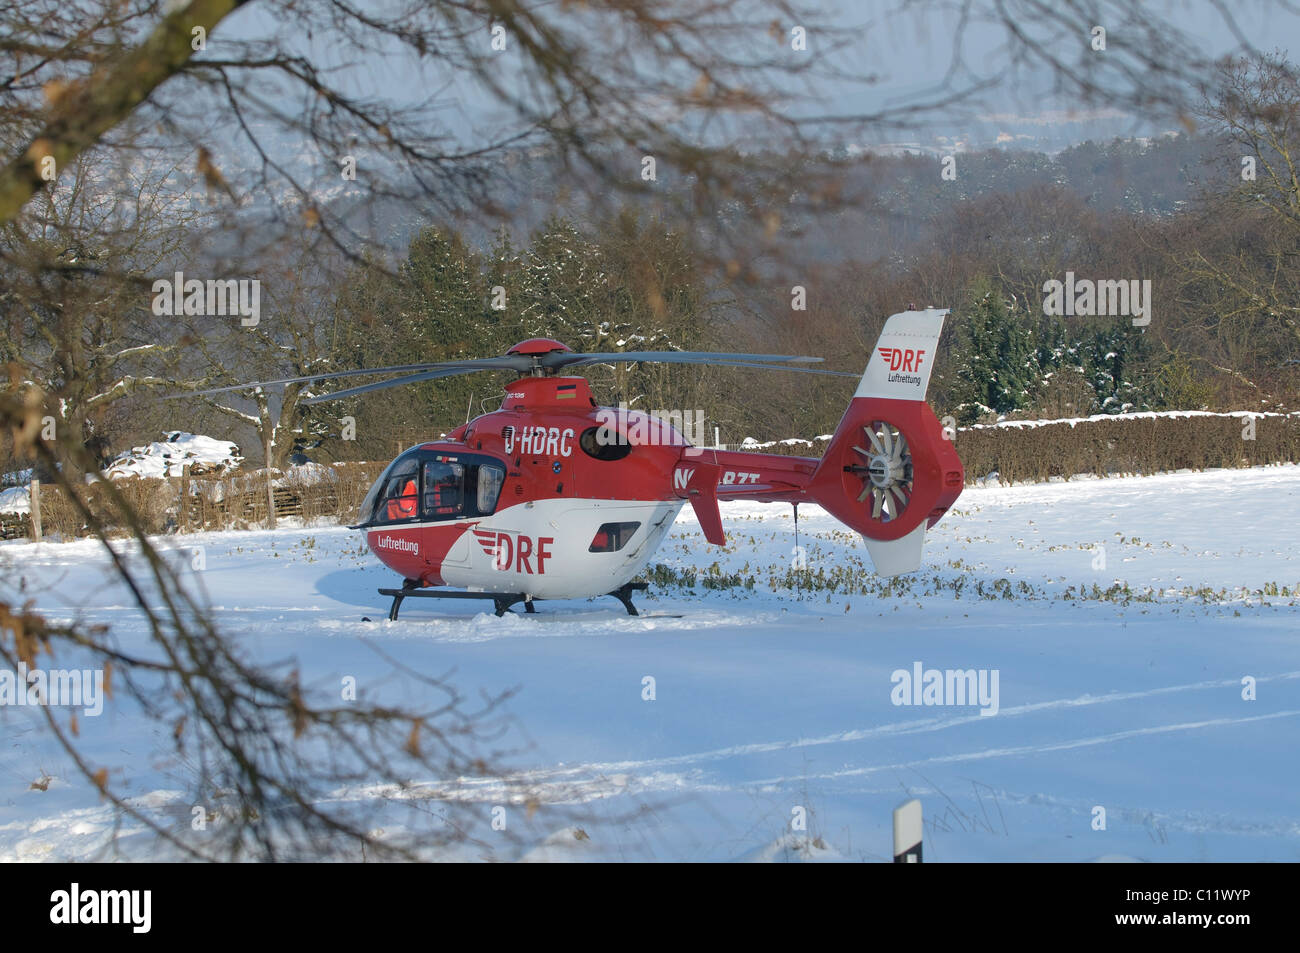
x=887, y=473
x=884, y=471
x=539, y=346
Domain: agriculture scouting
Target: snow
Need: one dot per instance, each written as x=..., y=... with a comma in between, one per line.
x=1138, y=415
x=304, y=474
x=771, y=703
x=749, y=443
x=170, y=457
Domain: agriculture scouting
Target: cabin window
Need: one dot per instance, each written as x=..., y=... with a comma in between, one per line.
x=611, y=537
x=490, y=479
x=600, y=443
x=465, y=486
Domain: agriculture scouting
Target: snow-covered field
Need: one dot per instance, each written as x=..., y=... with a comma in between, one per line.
x=771, y=704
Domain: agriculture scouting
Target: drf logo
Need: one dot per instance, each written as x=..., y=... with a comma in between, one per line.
x=515, y=550
x=902, y=358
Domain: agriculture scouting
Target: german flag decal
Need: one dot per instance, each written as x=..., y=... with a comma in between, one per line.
x=566, y=391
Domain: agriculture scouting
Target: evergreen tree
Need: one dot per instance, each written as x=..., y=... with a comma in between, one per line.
x=445, y=285
x=503, y=279
x=1110, y=358
x=442, y=280
x=995, y=358
x=562, y=287
x=655, y=301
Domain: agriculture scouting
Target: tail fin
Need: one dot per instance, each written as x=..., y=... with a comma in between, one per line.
x=890, y=472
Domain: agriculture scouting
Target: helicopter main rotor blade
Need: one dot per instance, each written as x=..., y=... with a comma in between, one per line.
x=778, y=367
x=519, y=364
x=453, y=371
x=523, y=364
x=697, y=358
x=569, y=359
x=396, y=382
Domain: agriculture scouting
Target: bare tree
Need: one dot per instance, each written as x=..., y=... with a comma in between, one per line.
x=76, y=273
x=295, y=336
x=1253, y=105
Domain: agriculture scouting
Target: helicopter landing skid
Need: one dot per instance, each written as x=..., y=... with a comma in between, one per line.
x=502, y=600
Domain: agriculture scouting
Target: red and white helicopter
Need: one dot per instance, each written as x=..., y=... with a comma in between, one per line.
x=553, y=497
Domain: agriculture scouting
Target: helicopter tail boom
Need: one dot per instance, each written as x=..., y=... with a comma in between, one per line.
x=889, y=472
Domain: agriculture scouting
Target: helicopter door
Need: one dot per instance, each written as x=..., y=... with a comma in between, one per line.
x=444, y=490
x=452, y=489
x=459, y=487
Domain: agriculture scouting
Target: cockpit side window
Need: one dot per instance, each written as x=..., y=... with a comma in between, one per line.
x=400, y=498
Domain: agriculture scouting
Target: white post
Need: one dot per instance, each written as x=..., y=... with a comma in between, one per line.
x=907, y=833
x=717, y=437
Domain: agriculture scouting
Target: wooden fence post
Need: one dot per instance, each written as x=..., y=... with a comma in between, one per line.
x=178, y=487
x=270, y=490
x=36, y=508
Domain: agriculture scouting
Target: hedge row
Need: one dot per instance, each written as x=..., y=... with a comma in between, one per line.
x=1120, y=446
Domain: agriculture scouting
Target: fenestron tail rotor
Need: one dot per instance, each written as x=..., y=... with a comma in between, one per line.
x=885, y=470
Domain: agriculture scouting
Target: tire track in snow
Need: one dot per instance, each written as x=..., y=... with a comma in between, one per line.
x=1044, y=748
x=899, y=728
x=596, y=782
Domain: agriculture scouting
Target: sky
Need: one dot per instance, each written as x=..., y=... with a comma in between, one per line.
x=874, y=55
